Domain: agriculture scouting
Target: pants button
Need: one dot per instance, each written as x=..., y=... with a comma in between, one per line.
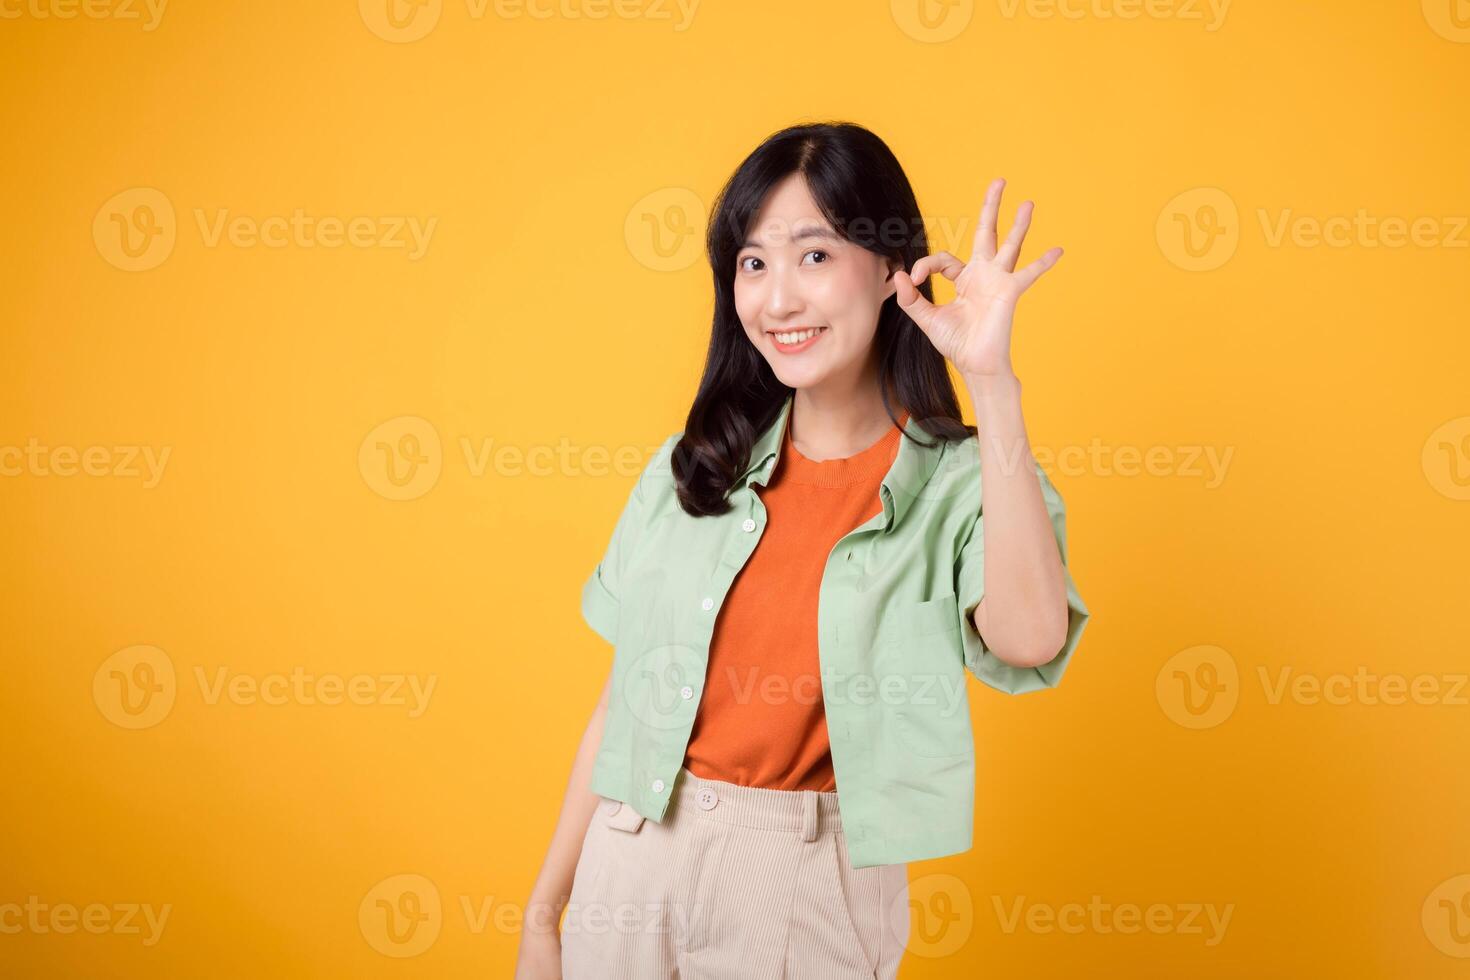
x=706, y=798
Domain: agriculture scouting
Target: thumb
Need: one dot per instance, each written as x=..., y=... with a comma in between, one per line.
x=912, y=302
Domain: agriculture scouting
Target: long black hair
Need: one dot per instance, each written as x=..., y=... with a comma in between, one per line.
x=861, y=190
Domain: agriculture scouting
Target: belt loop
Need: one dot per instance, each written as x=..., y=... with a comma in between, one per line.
x=808, y=814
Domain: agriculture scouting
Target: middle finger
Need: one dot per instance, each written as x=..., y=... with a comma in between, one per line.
x=984, y=244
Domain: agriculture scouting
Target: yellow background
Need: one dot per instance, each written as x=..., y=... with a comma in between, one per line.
x=545, y=313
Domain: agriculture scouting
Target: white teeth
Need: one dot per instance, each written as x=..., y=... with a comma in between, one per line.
x=797, y=336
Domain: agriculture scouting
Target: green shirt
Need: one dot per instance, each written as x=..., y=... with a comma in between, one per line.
x=894, y=640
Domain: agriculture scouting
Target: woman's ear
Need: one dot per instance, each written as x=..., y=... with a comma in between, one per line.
x=890, y=285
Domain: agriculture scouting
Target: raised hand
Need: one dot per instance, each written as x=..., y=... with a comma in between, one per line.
x=974, y=329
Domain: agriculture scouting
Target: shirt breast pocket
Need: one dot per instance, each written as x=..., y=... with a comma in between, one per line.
x=920, y=680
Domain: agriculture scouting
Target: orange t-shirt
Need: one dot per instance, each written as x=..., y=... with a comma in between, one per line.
x=761, y=720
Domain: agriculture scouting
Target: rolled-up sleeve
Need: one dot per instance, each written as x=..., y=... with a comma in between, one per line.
x=601, y=590
x=970, y=588
x=602, y=593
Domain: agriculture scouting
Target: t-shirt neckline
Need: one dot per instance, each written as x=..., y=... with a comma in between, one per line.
x=845, y=471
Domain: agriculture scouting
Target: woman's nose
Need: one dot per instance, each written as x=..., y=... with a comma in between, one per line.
x=783, y=298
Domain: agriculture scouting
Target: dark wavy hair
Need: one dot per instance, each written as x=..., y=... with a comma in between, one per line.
x=861, y=190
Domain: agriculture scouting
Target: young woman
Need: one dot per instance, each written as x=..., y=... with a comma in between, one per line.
x=795, y=588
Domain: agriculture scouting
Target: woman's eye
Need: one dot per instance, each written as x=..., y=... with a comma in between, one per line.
x=748, y=258
x=816, y=251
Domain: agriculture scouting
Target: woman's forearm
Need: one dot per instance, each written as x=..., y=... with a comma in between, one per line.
x=1023, y=615
x=554, y=883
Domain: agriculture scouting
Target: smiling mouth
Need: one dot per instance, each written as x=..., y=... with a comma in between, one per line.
x=795, y=338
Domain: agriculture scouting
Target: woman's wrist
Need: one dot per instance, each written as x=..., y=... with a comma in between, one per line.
x=988, y=387
x=997, y=402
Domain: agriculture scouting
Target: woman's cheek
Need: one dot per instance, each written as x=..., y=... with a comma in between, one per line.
x=748, y=312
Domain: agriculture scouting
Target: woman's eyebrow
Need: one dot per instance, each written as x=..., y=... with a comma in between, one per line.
x=825, y=234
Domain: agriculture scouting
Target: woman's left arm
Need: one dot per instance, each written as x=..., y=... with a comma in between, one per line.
x=1023, y=615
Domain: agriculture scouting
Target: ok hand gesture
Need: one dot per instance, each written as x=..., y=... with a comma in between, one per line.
x=974, y=329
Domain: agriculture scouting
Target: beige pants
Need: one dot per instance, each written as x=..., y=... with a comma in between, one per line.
x=737, y=882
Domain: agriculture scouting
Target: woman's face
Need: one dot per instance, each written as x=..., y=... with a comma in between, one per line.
x=795, y=275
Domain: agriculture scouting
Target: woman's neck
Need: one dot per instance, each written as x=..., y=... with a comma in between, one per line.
x=826, y=426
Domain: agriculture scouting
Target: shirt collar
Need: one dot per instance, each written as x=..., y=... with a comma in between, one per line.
x=901, y=486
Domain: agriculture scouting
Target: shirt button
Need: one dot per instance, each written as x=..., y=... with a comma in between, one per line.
x=658, y=785
x=707, y=604
x=747, y=525
x=706, y=798
x=686, y=692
